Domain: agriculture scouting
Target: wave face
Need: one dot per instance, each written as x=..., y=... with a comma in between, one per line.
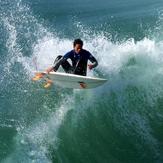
x=119, y=122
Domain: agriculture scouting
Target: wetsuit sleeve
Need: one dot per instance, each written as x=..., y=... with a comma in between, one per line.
x=93, y=60
x=58, y=62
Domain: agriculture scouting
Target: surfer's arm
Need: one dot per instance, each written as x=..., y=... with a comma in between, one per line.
x=56, y=66
x=49, y=69
x=93, y=61
x=58, y=61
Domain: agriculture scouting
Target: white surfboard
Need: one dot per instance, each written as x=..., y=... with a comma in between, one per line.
x=74, y=81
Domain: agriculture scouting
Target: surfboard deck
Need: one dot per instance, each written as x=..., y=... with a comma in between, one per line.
x=71, y=80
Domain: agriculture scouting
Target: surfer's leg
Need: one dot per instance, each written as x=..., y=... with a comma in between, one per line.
x=66, y=66
x=57, y=59
x=80, y=71
x=64, y=63
x=57, y=62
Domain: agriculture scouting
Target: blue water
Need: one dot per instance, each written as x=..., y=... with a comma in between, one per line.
x=119, y=122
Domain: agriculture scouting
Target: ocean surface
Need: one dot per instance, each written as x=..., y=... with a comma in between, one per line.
x=119, y=122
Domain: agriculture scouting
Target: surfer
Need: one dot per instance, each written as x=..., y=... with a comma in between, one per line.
x=79, y=58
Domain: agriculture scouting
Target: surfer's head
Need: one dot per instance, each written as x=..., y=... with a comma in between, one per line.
x=78, y=45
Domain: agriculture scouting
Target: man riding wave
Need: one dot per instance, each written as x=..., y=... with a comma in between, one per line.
x=79, y=58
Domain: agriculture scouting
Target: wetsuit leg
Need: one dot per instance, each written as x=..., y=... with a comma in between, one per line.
x=81, y=69
x=57, y=59
x=65, y=64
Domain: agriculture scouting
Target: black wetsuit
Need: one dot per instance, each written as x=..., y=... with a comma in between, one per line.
x=79, y=62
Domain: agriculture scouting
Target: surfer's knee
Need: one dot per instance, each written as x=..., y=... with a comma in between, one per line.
x=58, y=58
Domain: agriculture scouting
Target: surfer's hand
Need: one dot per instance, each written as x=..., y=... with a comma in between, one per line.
x=90, y=66
x=49, y=70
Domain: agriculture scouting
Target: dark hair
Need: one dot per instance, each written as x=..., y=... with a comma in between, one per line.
x=78, y=41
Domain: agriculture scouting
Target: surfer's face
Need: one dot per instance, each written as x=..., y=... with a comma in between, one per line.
x=77, y=48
